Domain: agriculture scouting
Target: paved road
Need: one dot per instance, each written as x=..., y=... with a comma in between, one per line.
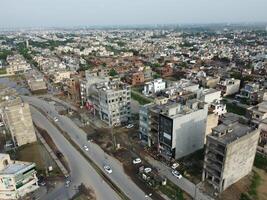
x=95, y=152
x=81, y=170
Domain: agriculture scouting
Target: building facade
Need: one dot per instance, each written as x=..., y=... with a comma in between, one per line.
x=16, y=178
x=230, y=153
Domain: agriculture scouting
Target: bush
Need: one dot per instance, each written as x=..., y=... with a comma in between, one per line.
x=260, y=162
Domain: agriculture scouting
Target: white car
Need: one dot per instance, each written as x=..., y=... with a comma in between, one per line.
x=67, y=183
x=55, y=119
x=175, y=165
x=108, y=169
x=176, y=174
x=86, y=148
x=130, y=126
x=147, y=170
x=137, y=161
x=1, y=124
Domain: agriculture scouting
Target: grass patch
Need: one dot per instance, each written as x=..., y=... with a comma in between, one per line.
x=172, y=191
x=256, y=180
x=36, y=153
x=141, y=99
x=2, y=71
x=260, y=162
x=235, y=109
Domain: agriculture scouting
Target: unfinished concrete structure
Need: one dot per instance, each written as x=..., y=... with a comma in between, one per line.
x=176, y=130
x=17, y=117
x=111, y=100
x=230, y=153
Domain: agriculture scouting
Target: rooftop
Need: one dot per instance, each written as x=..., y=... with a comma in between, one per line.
x=16, y=167
x=229, y=133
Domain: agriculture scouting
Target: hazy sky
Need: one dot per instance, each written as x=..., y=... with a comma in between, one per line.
x=31, y=13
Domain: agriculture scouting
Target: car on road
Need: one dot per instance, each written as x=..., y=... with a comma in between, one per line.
x=137, y=161
x=130, y=126
x=175, y=165
x=85, y=148
x=108, y=169
x=55, y=119
x=67, y=183
x=176, y=174
x=147, y=170
x=1, y=124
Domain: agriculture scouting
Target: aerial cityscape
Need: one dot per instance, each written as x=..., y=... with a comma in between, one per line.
x=116, y=100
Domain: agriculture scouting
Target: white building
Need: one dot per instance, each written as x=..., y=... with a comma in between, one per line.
x=229, y=86
x=154, y=86
x=16, y=178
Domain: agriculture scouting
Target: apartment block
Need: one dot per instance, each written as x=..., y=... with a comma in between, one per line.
x=16, y=178
x=230, y=153
x=228, y=86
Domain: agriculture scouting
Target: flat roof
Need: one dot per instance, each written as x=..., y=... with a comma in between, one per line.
x=16, y=167
x=238, y=130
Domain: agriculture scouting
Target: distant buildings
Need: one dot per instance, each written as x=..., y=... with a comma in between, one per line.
x=230, y=152
x=17, y=64
x=228, y=86
x=17, y=118
x=251, y=93
x=16, y=178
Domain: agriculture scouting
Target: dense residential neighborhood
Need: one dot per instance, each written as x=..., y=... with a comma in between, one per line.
x=147, y=113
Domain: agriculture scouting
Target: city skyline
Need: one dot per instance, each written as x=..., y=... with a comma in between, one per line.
x=29, y=13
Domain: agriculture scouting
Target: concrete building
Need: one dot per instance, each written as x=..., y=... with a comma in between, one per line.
x=228, y=86
x=17, y=118
x=16, y=178
x=111, y=101
x=251, y=93
x=230, y=153
x=209, y=95
x=176, y=130
x=154, y=86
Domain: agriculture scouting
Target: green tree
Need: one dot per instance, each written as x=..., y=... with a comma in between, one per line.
x=113, y=72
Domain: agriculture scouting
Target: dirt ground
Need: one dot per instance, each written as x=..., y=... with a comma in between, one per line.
x=234, y=191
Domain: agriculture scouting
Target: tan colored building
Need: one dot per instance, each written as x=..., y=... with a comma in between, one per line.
x=17, y=118
x=16, y=178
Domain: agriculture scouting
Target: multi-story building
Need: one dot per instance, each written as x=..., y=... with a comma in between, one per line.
x=169, y=129
x=16, y=178
x=230, y=153
x=17, y=118
x=136, y=78
x=252, y=93
x=228, y=86
x=154, y=87
x=111, y=100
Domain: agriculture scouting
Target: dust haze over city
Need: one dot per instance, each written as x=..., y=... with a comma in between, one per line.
x=119, y=99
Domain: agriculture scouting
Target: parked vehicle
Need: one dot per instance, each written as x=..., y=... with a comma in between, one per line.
x=67, y=183
x=177, y=174
x=55, y=119
x=85, y=148
x=147, y=170
x=108, y=169
x=137, y=161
